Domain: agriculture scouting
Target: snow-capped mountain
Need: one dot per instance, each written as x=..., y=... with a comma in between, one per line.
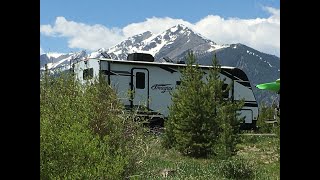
x=174, y=43
x=60, y=61
x=171, y=43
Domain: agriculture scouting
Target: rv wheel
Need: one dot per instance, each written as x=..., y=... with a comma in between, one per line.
x=156, y=130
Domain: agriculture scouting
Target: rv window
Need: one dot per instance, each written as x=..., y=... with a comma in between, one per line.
x=225, y=93
x=88, y=74
x=140, y=80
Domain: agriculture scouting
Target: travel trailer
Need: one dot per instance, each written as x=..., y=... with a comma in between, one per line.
x=142, y=83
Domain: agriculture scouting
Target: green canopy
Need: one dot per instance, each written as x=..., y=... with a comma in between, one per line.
x=272, y=86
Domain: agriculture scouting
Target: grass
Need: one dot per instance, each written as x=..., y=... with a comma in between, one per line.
x=265, y=152
x=83, y=137
x=261, y=151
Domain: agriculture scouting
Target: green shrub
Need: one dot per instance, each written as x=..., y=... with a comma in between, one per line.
x=237, y=168
x=266, y=113
x=84, y=133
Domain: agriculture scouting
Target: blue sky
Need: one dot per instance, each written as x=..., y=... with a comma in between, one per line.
x=73, y=25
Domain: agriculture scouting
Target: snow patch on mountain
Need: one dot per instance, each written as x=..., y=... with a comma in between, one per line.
x=174, y=29
x=269, y=64
x=96, y=54
x=54, y=54
x=215, y=47
x=159, y=42
x=252, y=53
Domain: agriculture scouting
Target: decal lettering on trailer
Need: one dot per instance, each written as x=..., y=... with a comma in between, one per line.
x=162, y=87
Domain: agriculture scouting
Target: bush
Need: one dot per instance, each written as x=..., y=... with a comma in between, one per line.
x=267, y=113
x=84, y=133
x=237, y=168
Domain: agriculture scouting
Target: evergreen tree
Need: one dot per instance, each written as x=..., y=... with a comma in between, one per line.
x=199, y=114
x=225, y=110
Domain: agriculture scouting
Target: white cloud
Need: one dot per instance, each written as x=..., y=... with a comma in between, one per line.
x=154, y=24
x=275, y=12
x=262, y=34
x=80, y=35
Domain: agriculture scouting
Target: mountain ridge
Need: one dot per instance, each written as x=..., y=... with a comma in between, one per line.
x=174, y=43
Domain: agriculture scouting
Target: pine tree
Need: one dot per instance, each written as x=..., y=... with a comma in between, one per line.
x=185, y=111
x=225, y=110
x=199, y=116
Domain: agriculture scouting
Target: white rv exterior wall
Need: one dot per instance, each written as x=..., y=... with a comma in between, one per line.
x=82, y=65
x=159, y=99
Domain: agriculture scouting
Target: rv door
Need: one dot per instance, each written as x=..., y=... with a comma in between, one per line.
x=140, y=87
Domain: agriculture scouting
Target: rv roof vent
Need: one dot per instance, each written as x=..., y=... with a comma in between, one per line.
x=140, y=57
